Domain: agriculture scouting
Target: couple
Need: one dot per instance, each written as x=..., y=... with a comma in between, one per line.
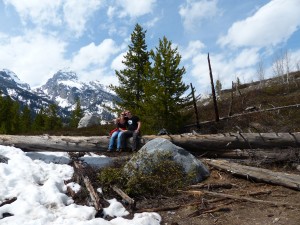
x=128, y=125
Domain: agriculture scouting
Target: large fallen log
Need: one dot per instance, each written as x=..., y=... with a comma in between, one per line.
x=232, y=145
x=259, y=174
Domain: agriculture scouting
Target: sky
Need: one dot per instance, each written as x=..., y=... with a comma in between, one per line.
x=38, y=38
x=37, y=181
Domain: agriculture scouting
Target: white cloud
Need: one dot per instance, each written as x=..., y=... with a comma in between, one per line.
x=77, y=12
x=111, y=12
x=270, y=25
x=135, y=8
x=246, y=58
x=38, y=12
x=152, y=22
x=103, y=75
x=194, y=12
x=224, y=67
x=91, y=62
x=33, y=57
x=192, y=49
x=72, y=14
x=117, y=62
x=94, y=55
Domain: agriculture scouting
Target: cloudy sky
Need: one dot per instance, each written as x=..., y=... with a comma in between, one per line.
x=40, y=37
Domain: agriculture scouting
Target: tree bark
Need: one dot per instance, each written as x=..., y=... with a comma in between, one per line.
x=232, y=145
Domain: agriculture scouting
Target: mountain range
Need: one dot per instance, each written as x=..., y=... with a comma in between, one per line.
x=63, y=89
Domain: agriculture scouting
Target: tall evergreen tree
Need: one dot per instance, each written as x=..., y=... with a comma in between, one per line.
x=39, y=120
x=53, y=121
x=164, y=94
x=76, y=114
x=9, y=116
x=134, y=76
x=15, y=118
x=25, y=121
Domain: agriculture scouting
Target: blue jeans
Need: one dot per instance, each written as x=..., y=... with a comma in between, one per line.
x=115, y=135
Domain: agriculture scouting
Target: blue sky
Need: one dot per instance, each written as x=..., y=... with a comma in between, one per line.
x=40, y=37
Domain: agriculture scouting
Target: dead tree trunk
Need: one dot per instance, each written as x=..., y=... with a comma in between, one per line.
x=279, y=178
x=195, y=106
x=213, y=90
x=232, y=145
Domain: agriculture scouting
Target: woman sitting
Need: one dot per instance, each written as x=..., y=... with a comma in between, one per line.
x=116, y=133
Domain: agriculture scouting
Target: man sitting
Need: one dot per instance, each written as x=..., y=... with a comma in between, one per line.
x=133, y=130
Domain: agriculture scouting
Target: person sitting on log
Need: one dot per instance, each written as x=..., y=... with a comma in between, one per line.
x=133, y=130
x=116, y=133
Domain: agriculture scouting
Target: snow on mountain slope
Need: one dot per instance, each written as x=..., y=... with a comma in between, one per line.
x=63, y=89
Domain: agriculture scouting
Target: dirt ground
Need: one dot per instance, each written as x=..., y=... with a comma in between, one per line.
x=230, y=211
x=281, y=205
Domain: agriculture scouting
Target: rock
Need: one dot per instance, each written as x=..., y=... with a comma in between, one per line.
x=88, y=121
x=156, y=146
x=163, y=131
x=3, y=159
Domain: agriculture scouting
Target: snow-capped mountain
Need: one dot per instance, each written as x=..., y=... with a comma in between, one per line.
x=12, y=80
x=64, y=89
x=10, y=85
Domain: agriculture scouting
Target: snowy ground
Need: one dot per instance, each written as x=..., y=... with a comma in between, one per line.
x=37, y=181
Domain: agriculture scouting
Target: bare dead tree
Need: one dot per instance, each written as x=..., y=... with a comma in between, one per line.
x=287, y=65
x=237, y=86
x=231, y=100
x=195, y=106
x=261, y=72
x=213, y=90
x=298, y=66
x=219, y=88
x=278, y=66
x=298, y=69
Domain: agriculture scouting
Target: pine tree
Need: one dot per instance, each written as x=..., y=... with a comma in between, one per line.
x=25, y=121
x=39, y=120
x=9, y=117
x=53, y=121
x=76, y=114
x=14, y=118
x=133, y=77
x=164, y=93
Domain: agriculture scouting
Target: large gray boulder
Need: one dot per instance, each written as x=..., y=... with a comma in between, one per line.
x=88, y=121
x=161, y=146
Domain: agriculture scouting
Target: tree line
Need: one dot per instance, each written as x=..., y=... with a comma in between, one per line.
x=15, y=119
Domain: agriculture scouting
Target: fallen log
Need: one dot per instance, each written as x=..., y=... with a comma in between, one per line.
x=237, y=197
x=232, y=145
x=259, y=174
x=94, y=196
x=213, y=186
x=125, y=197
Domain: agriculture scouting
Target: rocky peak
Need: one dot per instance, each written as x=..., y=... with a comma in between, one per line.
x=11, y=79
x=62, y=75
